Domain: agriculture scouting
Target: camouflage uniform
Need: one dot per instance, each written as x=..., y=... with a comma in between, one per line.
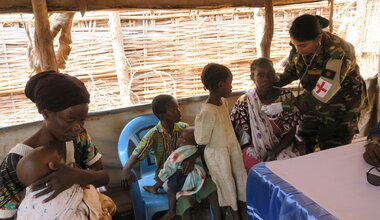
x=334, y=92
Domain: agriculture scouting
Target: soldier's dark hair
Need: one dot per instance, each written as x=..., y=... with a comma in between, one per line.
x=214, y=73
x=260, y=62
x=307, y=27
x=160, y=103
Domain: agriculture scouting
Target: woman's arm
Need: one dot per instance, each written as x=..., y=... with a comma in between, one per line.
x=285, y=141
x=63, y=177
x=96, y=175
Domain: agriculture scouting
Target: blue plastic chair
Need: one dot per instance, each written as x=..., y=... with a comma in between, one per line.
x=145, y=204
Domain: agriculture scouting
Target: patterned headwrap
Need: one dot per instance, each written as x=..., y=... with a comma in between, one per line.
x=56, y=91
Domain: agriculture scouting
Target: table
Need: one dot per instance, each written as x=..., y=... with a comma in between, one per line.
x=330, y=184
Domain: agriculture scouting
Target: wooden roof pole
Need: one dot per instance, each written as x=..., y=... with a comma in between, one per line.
x=42, y=37
x=331, y=16
x=18, y=6
x=268, y=29
x=259, y=29
x=63, y=24
x=123, y=77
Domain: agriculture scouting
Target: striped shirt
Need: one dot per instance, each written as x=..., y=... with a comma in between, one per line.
x=160, y=143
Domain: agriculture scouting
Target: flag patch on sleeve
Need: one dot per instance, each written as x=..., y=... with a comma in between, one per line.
x=328, y=73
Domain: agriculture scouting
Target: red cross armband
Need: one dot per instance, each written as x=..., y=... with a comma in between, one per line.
x=328, y=83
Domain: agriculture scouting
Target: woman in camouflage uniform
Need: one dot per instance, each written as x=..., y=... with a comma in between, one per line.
x=334, y=92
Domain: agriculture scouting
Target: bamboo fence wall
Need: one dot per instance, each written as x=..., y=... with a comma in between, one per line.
x=166, y=50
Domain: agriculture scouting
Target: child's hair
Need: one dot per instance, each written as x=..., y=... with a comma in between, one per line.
x=191, y=137
x=160, y=103
x=259, y=62
x=214, y=73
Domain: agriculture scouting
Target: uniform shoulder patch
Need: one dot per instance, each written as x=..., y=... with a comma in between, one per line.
x=328, y=73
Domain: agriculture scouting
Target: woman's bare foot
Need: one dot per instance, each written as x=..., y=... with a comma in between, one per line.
x=151, y=189
x=169, y=215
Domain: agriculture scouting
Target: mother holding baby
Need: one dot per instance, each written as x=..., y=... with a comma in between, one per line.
x=63, y=102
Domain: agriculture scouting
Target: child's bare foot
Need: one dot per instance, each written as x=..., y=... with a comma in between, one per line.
x=151, y=189
x=169, y=215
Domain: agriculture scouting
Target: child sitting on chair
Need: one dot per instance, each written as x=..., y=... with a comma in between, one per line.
x=162, y=139
x=177, y=183
x=75, y=202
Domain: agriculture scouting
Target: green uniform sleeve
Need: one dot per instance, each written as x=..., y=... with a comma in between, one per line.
x=342, y=61
x=290, y=72
x=310, y=101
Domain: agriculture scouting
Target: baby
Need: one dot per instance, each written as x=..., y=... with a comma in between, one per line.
x=172, y=177
x=38, y=164
x=75, y=202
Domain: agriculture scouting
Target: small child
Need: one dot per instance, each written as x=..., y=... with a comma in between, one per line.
x=38, y=164
x=75, y=202
x=161, y=139
x=215, y=135
x=176, y=183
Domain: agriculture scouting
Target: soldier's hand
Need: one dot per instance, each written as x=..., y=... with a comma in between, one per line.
x=372, y=153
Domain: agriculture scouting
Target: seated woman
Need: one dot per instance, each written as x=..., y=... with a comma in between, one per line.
x=75, y=202
x=264, y=118
x=63, y=102
x=372, y=148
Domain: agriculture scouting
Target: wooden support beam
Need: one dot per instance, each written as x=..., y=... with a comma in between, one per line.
x=331, y=16
x=259, y=29
x=123, y=77
x=268, y=30
x=42, y=37
x=63, y=24
x=16, y=6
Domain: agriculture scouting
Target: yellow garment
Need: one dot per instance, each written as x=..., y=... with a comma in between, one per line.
x=101, y=206
x=222, y=153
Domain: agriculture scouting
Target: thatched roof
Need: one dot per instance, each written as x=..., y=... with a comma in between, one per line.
x=12, y=6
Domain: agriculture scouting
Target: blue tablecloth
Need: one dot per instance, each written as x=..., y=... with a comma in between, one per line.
x=271, y=198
